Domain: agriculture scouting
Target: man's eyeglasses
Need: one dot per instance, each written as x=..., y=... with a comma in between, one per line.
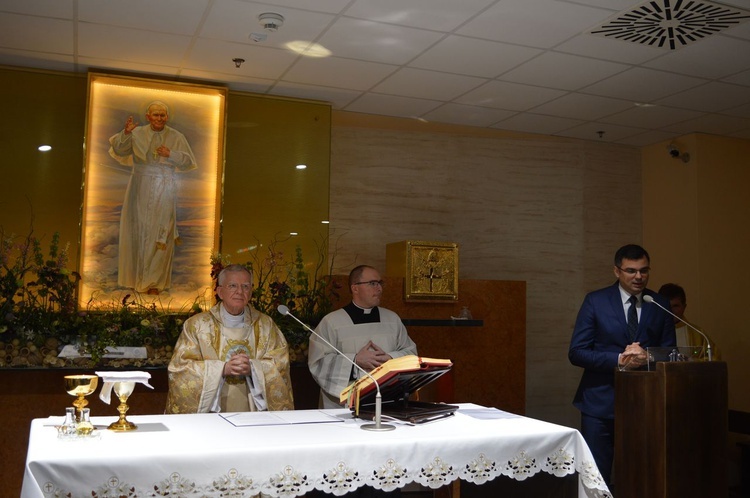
x=235, y=287
x=633, y=271
x=372, y=283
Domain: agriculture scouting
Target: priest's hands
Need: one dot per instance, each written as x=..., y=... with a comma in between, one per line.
x=238, y=365
x=371, y=356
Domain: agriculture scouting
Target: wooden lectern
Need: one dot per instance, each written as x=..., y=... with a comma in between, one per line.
x=671, y=431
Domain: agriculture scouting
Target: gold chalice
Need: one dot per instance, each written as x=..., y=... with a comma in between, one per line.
x=123, y=390
x=80, y=386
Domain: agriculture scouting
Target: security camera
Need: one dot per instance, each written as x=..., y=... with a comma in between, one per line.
x=675, y=153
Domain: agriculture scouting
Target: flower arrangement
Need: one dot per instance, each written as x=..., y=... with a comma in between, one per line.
x=39, y=311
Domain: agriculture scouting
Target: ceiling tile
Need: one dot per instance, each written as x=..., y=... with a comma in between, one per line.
x=377, y=42
x=419, y=83
x=440, y=15
x=462, y=55
x=52, y=8
x=609, y=49
x=642, y=85
x=390, y=105
x=235, y=80
x=510, y=96
x=338, y=73
x=717, y=124
x=563, y=71
x=742, y=78
x=260, y=62
x=742, y=111
x=467, y=115
x=337, y=97
x=714, y=57
x=165, y=16
x=53, y=36
x=536, y=123
x=330, y=6
x=109, y=42
x=711, y=97
x=647, y=138
x=541, y=23
x=39, y=60
x=97, y=63
x=650, y=117
x=580, y=106
x=591, y=131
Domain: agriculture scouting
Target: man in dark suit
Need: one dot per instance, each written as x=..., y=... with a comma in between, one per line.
x=613, y=329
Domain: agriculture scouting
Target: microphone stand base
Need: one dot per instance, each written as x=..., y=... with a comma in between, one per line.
x=377, y=427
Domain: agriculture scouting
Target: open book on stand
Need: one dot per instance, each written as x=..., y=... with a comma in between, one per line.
x=398, y=379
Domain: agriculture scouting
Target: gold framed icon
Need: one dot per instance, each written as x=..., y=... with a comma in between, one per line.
x=430, y=269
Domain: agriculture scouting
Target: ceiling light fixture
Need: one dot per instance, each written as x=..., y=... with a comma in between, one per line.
x=44, y=148
x=271, y=21
x=308, y=49
x=238, y=62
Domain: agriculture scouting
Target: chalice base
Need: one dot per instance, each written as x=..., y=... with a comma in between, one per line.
x=122, y=425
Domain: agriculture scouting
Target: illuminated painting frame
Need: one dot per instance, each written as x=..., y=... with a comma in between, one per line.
x=150, y=219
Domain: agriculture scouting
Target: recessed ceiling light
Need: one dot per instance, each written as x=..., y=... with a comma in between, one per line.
x=293, y=233
x=44, y=148
x=301, y=166
x=308, y=49
x=325, y=222
x=644, y=104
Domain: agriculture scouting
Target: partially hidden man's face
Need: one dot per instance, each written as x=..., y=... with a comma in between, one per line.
x=158, y=117
x=678, y=308
x=633, y=274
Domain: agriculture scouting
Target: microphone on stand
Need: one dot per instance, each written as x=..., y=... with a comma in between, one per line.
x=377, y=426
x=650, y=299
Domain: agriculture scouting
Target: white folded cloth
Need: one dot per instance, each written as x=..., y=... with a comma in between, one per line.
x=109, y=379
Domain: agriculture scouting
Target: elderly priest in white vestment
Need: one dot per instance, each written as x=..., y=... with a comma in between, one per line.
x=231, y=358
x=368, y=334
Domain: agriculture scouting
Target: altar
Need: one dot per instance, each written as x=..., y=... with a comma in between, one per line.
x=210, y=455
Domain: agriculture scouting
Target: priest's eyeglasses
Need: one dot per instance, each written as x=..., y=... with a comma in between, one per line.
x=372, y=283
x=235, y=287
x=633, y=271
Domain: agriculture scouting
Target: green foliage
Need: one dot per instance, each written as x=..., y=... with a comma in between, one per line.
x=39, y=302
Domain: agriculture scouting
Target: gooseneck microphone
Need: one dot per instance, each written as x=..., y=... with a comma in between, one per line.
x=377, y=426
x=650, y=299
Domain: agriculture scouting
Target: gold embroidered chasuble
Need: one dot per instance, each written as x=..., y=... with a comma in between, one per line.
x=196, y=383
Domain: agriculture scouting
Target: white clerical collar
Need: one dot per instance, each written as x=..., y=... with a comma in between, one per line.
x=231, y=320
x=366, y=311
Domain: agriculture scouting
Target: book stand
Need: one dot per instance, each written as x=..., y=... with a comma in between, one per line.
x=396, y=392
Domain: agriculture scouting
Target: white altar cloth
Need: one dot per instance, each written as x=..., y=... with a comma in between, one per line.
x=203, y=455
